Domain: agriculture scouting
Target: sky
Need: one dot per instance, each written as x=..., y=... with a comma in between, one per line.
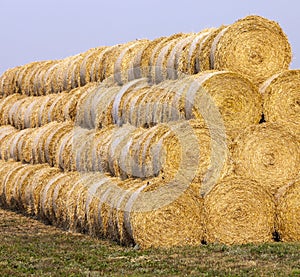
x=35, y=30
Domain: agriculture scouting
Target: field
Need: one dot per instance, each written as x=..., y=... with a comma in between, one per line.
x=29, y=247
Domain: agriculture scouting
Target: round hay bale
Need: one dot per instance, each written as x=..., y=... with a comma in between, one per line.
x=281, y=99
x=5, y=167
x=34, y=189
x=123, y=70
x=44, y=194
x=58, y=211
x=239, y=211
x=88, y=58
x=53, y=140
x=8, y=186
x=90, y=63
x=55, y=111
x=23, y=182
x=86, y=105
x=118, y=104
x=143, y=60
x=134, y=61
x=65, y=157
x=189, y=57
x=236, y=98
x=31, y=115
x=29, y=78
x=154, y=218
x=131, y=116
x=45, y=105
x=202, y=58
x=268, y=50
x=267, y=153
x=5, y=144
x=75, y=72
x=24, y=74
x=17, y=142
x=287, y=219
x=70, y=107
x=25, y=146
x=161, y=67
x=103, y=138
x=50, y=78
x=83, y=149
x=39, y=140
x=6, y=104
x=23, y=111
x=41, y=78
x=57, y=82
x=8, y=78
x=175, y=54
x=103, y=107
x=6, y=134
x=163, y=47
x=107, y=61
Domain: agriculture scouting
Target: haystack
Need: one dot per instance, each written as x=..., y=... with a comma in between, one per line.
x=6, y=104
x=253, y=46
x=124, y=68
x=288, y=212
x=281, y=99
x=189, y=57
x=90, y=58
x=237, y=211
x=267, y=153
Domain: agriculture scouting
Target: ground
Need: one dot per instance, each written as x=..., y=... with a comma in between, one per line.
x=28, y=246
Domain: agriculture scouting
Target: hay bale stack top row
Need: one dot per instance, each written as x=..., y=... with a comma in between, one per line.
x=254, y=46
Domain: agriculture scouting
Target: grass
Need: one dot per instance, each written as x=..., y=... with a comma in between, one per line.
x=28, y=247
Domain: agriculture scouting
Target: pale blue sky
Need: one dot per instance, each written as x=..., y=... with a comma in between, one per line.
x=40, y=30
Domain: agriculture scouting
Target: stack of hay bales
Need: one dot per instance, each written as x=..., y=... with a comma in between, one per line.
x=164, y=58
x=159, y=143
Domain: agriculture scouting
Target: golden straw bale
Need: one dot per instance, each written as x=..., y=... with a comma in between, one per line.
x=189, y=57
x=160, y=49
x=6, y=104
x=8, y=186
x=159, y=62
x=174, y=56
x=202, y=58
x=91, y=63
x=162, y=214
x=122, y=71
x=46, y=104
x=42, y=78
x=55, y=111
x=8, y=80
x=281, y=99
x=267, y=50
x=89, y=57
x=288, y=220
x=267, y=153
x=238, y=211
x=16, y=144
x=5, y=167
x=143, y=60
x=71, y=74
x=27, y=86
x=34, y=189
x=50, y=78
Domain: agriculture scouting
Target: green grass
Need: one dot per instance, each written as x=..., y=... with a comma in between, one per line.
x=28, y=247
